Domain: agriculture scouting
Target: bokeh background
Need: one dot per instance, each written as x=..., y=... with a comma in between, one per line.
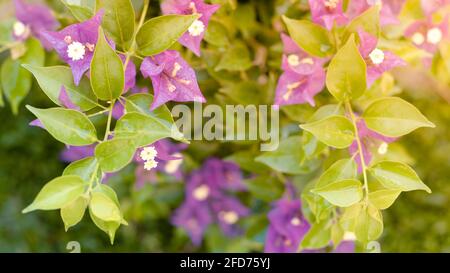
x=30, y=157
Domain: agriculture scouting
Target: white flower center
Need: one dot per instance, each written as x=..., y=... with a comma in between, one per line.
x=201, y=193
x=229, y=217
x=176, y=68
x=434, y=36
x=307, y=61
x=349, y=236
x=19, y=29
x=377, y=56
x=383, y=148
x=197, y=28
x=193, y=7
x=148, y=153
x=171, y=87
x=331, y=4
x=295, y=221
x=418, y=38
x=150, y=164
x=173, y=165
x=76, y=51
x=293, y=60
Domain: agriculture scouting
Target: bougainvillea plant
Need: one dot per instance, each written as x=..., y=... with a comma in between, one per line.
x=119, y=66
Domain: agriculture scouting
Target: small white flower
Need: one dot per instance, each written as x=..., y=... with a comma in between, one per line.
x=176, y=68
x=331, y=4
x=377, y=56
x=229, y=217
x=349, y=236
x=293, y=60
x=76, y=51
x=20, y=29
x=150, y=164
x=68, y=39
x=148, y=153
x=90, y=47
x=434, y=36
x=295, y=221
x=201, y=192
x=197, y=28
x=173, y=165
x=418, y=38
x=171, y=87
x=307, y=61
x=383, y=148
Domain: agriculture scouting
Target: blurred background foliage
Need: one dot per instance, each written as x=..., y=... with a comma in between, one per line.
x=29, y=157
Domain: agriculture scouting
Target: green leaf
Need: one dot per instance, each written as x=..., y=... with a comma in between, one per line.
x=35, y=53
x=315, y=204
x=115, y=154
x=160, y=33
x=84, y=168
x=82, y=10
x=66, y=125
x=346, y=75
x=104, y=208
x=369, y=224
x=109, y=227
x=337, y=234
x=318, y=236
x=246, y=161
x=317, y=42
x=141, y=103
x=365, y=220
x=394, y=117
x=118, y=21
x=144, y=129
x=342, y=193
x=52, y=78
x=312, y=146
x=335, y=131
x=384, y=198
x=16, y=83
x=107, y=75
x=368, y=21
x=326, y=111
x=57, y=193
x=288, y=157
x=236, y=58
x=340, y=170
x=73, y=212
x=265, y=188
x=216, y=34
x=398, y=176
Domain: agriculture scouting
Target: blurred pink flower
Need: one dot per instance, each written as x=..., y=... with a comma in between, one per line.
x=33, y=18
x=327, y=13
x=427, y=35
x=194, y=36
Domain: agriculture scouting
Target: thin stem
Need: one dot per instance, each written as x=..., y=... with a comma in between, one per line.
x=130, y=51
x=91, y=180
x=360, y=149
x=8, y=46
x=98, y=113
x=108, y=124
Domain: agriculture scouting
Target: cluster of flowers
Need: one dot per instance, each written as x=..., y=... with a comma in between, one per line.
x=208, y=200
x=172, y=77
